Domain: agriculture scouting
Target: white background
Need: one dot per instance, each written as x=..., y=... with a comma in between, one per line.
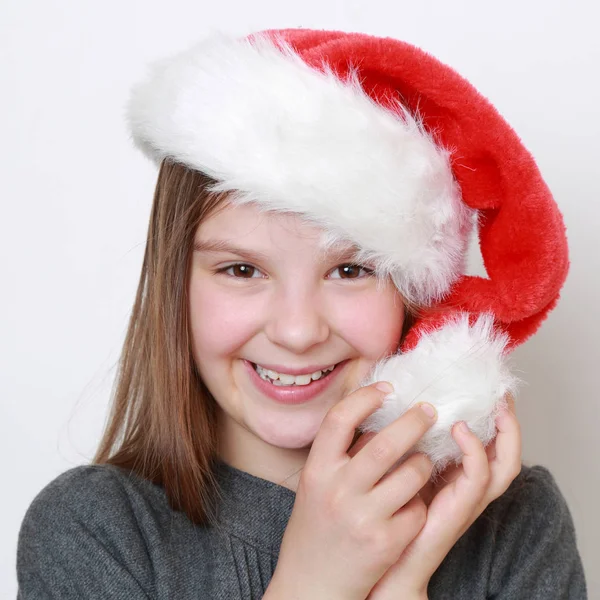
x=76, y=198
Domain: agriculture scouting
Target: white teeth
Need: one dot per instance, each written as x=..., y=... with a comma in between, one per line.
x=280, y=379
x=302, y=379
x=286, y=379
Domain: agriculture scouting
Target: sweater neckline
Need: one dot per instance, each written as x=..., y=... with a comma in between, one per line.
x=252, y=508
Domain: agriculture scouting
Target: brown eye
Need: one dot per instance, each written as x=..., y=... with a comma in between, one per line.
x=350, y=271
x=243, y=270
x=239, y=271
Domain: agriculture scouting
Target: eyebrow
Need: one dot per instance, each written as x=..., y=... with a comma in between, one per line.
x=215, y=246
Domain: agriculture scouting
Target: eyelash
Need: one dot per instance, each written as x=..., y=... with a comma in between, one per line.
x=224, y=270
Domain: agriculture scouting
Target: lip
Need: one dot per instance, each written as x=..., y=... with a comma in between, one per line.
x=293, y=394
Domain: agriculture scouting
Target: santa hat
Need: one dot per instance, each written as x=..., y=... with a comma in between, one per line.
x=384, y=146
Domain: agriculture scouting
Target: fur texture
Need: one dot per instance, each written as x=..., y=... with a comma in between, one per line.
x=385, y=147
x=289, y=137
x=461, y=369
x=521, y=230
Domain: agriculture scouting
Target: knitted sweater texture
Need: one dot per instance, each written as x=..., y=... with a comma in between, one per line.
x=99, y=532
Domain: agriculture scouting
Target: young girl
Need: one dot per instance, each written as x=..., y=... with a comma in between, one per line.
x=315, y=195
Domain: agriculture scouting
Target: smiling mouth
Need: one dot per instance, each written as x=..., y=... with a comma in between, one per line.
x=282, y=380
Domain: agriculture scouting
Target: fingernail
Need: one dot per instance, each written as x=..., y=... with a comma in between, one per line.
x=385, y=386
x=462, y=426
x=428, y=409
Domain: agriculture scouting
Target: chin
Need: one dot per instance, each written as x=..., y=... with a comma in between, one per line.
x=293, y=432
x=288, y=441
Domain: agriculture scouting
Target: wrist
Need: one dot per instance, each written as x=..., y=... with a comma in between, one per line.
x=281, y=588
x=419, y=596
x=285, y=588
x=414, y=596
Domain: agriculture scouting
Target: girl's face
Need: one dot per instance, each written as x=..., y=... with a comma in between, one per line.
x=273, y=298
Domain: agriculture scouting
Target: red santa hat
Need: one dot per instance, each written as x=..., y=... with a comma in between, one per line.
x=383, y=146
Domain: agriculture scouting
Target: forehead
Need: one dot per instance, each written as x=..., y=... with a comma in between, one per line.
x=248, y=224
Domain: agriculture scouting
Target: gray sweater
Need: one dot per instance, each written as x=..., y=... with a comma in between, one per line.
x=98, y=532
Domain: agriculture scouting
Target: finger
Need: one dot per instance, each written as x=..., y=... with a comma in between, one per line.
x=408, y=521
x=507, y=404
x=439, y=481
x=395, y=489
x=427, y=492
x=506, y=465
x=447, y=476
x=475, y=475
x=453, y=508
x=340, y=423
x=382, y=452
x=490, y=450
x=455, y=504
x=361, y=442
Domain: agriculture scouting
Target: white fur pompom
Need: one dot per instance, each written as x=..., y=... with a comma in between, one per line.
x=460, y=369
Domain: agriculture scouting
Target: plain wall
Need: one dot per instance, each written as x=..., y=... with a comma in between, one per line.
x=76, y=199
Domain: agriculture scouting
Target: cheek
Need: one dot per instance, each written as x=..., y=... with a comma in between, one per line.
x=219, y=323
x=372, y=323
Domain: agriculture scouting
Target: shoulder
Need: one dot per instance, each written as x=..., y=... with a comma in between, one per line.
x=88, y=522
x=90, y=492
x=534, y=543
x=83, y=480
x=522, y=546
x=533, y=500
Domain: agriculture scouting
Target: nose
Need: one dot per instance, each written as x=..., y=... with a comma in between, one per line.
x=296, y=320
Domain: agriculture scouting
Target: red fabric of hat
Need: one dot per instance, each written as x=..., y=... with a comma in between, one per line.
x=385, y=146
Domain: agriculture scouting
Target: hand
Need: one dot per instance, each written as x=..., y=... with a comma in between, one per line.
x=347, y=527
x=458, y=496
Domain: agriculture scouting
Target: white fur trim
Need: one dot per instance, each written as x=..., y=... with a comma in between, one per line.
x=275, y=131
x=461, y=370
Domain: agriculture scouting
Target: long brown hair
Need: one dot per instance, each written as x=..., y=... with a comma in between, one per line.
x=162, y=424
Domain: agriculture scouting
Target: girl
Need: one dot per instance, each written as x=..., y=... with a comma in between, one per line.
x=306, y=226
